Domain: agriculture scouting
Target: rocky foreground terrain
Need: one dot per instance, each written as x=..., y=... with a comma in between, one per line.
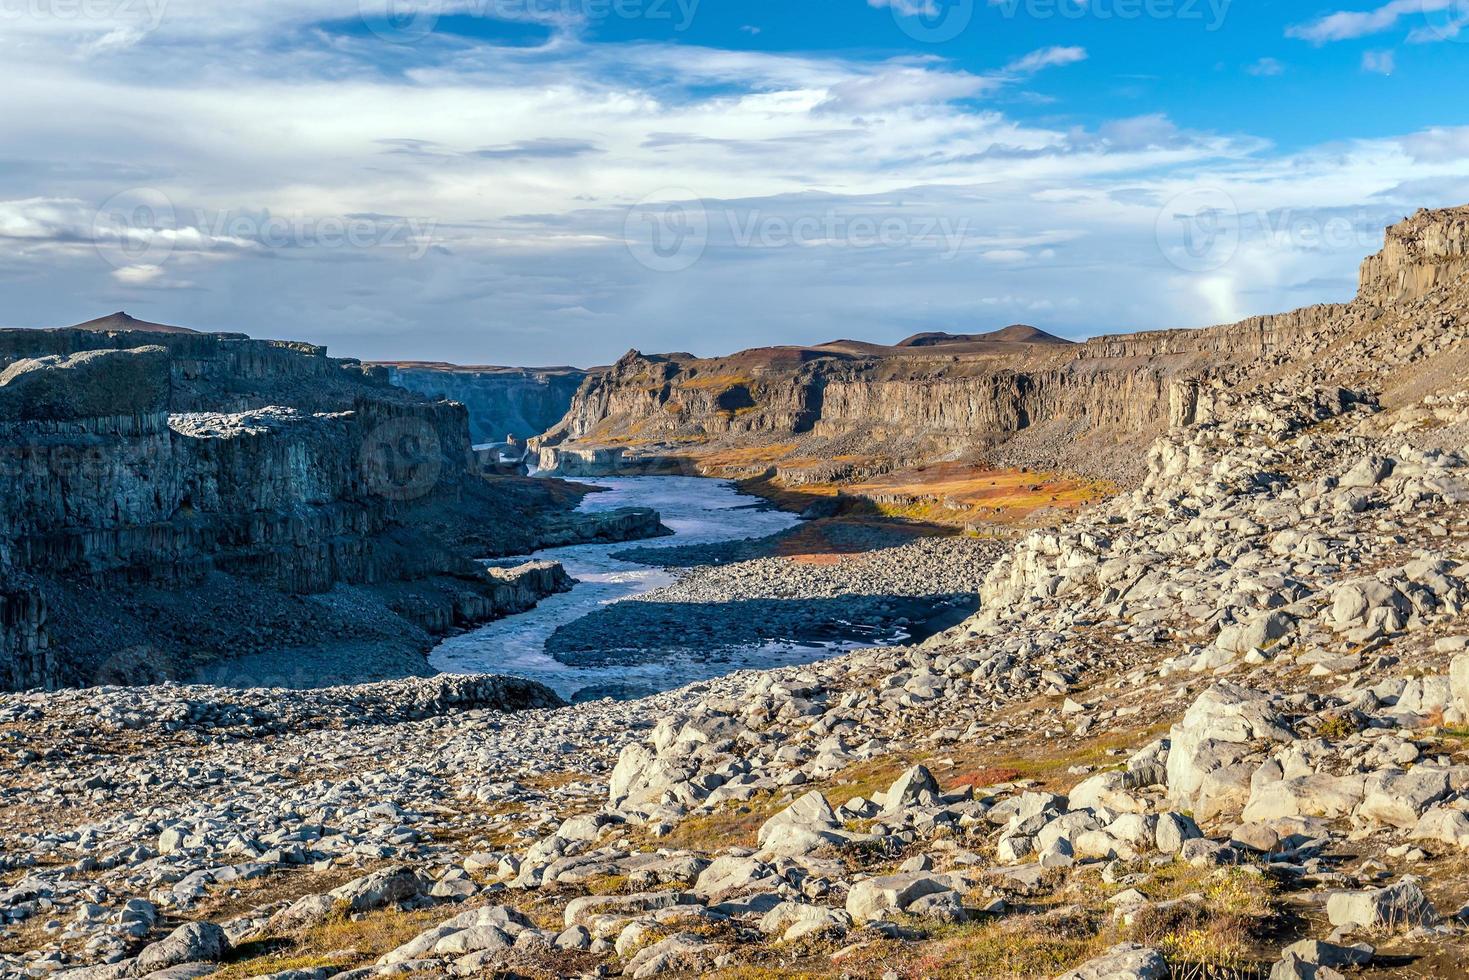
x=1215, y=727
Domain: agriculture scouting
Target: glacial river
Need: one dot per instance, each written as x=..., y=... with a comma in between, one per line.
x=699, y=511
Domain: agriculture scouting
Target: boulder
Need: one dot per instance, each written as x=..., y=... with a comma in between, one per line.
x=908, y=790
x=800, y=828
x=1225, y=714
x=794, y=920
x=193, y=942
x=1316, y=795
x=868, y=900
x=684, y=953
x=1125, y=961
x=1399, y=906
x=1259, y=633
x=1399, y=798
x=1459, y=681
x=1369, y=472
x=1443, y=824
x=1105, y=790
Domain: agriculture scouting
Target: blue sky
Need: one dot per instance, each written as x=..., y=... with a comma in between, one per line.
x=552, y=181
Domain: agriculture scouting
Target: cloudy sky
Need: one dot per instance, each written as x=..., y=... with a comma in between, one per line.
x=555, y=181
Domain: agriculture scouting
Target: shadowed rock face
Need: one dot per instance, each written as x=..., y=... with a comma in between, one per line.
x=145, y=477
x=516, y=402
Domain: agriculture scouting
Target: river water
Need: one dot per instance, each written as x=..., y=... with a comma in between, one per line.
x=699, y=511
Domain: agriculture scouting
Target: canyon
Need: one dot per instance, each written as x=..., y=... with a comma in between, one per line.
x=1211, y=721
x=504, y=403
x=172, y=500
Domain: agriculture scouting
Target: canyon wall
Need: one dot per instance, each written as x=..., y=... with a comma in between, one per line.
x=1421, y=253
x=502, y=402
x=168, y=500
x=951, y=396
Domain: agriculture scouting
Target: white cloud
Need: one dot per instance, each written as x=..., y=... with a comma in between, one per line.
x=1047, y=58
x=904, y=86
x=1441, y=144
x=909, y=8
x=1379, y=62
x=1348, y=24
x=137, y=275
x=524, y=161
x=1266, y=68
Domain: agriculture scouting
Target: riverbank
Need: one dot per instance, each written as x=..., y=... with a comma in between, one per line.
x=739, y=585
x=878, y=597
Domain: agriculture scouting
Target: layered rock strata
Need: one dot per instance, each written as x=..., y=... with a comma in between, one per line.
x=1024, y=401
x=143, y=474
x=503, y=403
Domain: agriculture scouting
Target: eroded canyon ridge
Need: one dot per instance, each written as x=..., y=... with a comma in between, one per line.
x=1215, y=724
x=171, y=501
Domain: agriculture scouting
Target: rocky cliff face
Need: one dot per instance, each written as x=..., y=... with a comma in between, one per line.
x=143, y=474
x=502, y=402
x=1029, y=400
x=1421, y=253
x=916, y=404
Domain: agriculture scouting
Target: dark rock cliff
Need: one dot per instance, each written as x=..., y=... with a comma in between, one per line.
x=172, y=500
x=502, y=402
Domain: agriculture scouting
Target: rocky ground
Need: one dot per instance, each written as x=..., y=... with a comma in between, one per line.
x=1216, y=727
x=880, y=595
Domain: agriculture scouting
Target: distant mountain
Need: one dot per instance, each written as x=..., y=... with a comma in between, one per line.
x=122, y=321
x=1016, y=333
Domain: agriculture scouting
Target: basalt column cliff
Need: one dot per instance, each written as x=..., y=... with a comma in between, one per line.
x=173, y=501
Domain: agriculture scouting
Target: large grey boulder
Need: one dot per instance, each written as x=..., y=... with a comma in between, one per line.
x=1225, y=715
x=193, y=942
x=1125, y=961
x=1443, y=824
x=1315, y=795
x=1399, y=906
x=800, y=828
x=868, y=900
x=794, y=920
x=909, y=789
x=1260, y=633
x=1370, y=602
x=1399, y=798
x=1369, y=472
x=1459, y=681
x=684, y=953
